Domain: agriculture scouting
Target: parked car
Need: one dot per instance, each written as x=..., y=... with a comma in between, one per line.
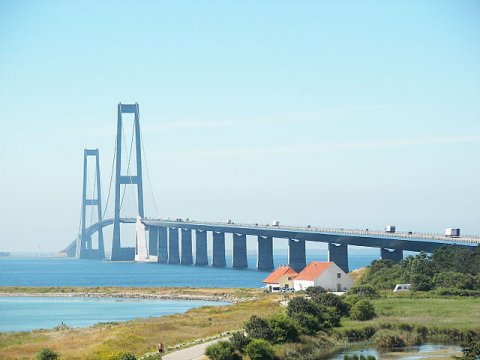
x=401, y=287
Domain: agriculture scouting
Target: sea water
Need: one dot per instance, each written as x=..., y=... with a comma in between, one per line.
x=19, y=313
x=40, y=271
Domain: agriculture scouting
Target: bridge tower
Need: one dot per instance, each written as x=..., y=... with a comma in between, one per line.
x=85, y=249
x=120, y=253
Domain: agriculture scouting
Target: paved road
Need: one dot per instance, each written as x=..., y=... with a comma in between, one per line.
x=191, y=353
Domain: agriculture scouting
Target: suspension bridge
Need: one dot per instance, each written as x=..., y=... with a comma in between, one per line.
x=170, y=241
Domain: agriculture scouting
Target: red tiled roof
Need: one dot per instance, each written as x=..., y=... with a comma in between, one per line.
x=278, y=273
x=313, y=270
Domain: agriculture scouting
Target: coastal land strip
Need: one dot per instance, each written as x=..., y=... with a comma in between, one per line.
x=440, y=315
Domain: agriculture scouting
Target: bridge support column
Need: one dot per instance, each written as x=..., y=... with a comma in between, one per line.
x=239, y=251
x=338, y=253
x=219, y=249
x=173, y=253
x=153, y=240
x=395, y=255
x=296, y=254
x=201, y=257
x=265, y=253
x=187, y=247
x=162, y=245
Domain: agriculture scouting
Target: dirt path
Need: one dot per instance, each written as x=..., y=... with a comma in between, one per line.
x=191, y=353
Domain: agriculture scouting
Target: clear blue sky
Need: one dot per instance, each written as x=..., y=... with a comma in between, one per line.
x=330, y=113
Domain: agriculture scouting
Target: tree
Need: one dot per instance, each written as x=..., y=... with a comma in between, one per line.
x=47, y=354
x=301, y=305
x=258, y=328
x=283, y=329
x=222, y=350
x=307, y=323
x=239, y=340
x=259, y=349
x=362, y=310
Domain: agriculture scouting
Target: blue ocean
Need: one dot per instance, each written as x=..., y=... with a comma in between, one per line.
x=40, y=271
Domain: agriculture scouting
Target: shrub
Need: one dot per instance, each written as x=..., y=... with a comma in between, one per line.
x=222, y=350
x=239, y=340
x=365, y=291
x=258, y=328
x=362, y=310
x=307, y=323
x=332, y=300
x=301, y=305
x=47, y=354
x=125, y=356
x=451, y=279
x=315, y=290
x=388, y=339
x=259, y=349
x=421, y=282
x=283, y=329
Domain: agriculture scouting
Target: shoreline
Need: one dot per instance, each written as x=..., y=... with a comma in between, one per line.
x=231, y=295
x=140, y=296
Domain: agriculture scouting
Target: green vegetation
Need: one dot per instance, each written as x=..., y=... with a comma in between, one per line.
x=259, y=349
x=222, y=350
x=362, y=310
x=448, y=271
x=47, y=354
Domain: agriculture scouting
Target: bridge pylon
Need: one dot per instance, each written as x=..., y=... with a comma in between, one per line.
x=85, y=249
x=120, y=253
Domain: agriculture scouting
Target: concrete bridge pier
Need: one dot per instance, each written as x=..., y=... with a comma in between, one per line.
x=339, y=255
x=187, y=258
x=239, y=251
x=201, y=257
x=265, y=253
x=296, y=254
x=162, y=245
x=173, y=251
x=395, y=255
x=219, y=249
x=153, y=240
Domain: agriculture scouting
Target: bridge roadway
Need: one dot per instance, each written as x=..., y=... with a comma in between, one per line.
x=391, y=245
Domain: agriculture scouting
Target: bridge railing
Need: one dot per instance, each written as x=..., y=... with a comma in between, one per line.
x=474, y=239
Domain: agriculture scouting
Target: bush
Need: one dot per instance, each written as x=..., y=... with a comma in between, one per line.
x=307, y=323
x=362, y=310
x=126, y=356
x=47, y=354
x=451, y=279
x=222, y=350
x=315, y=290
x=239, y=340
x=332, y=300
x=259, y=349
x=258, y=328
x=364, y=291
x=421, y=282
x=388, y=339
x=283, y=329
x=301, y=305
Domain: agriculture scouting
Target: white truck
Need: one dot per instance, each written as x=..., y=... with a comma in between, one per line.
x=275, y=223
x=390, y=228
x=452, y=232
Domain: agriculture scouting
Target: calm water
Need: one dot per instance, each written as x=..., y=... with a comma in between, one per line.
x=427, y=351
x=70, y=272
x=28, y=313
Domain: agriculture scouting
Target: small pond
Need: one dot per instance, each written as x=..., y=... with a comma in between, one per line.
x=427, y=351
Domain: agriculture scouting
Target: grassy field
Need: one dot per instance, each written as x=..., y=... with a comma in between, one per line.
x=141, y=336
x=446, y=313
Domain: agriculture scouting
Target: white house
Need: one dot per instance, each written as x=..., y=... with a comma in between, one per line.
x=325, y=274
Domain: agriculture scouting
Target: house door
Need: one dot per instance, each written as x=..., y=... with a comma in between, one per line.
x=339, y=287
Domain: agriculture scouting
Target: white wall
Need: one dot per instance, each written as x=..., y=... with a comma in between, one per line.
x=327, y=279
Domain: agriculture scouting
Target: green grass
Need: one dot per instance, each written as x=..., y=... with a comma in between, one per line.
x=443, y=313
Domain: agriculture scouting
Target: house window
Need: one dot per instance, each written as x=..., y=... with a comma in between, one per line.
x=339, y=275
x=289, y=278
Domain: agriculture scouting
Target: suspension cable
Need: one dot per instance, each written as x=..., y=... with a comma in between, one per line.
x=148, y=176
x=111, y=179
